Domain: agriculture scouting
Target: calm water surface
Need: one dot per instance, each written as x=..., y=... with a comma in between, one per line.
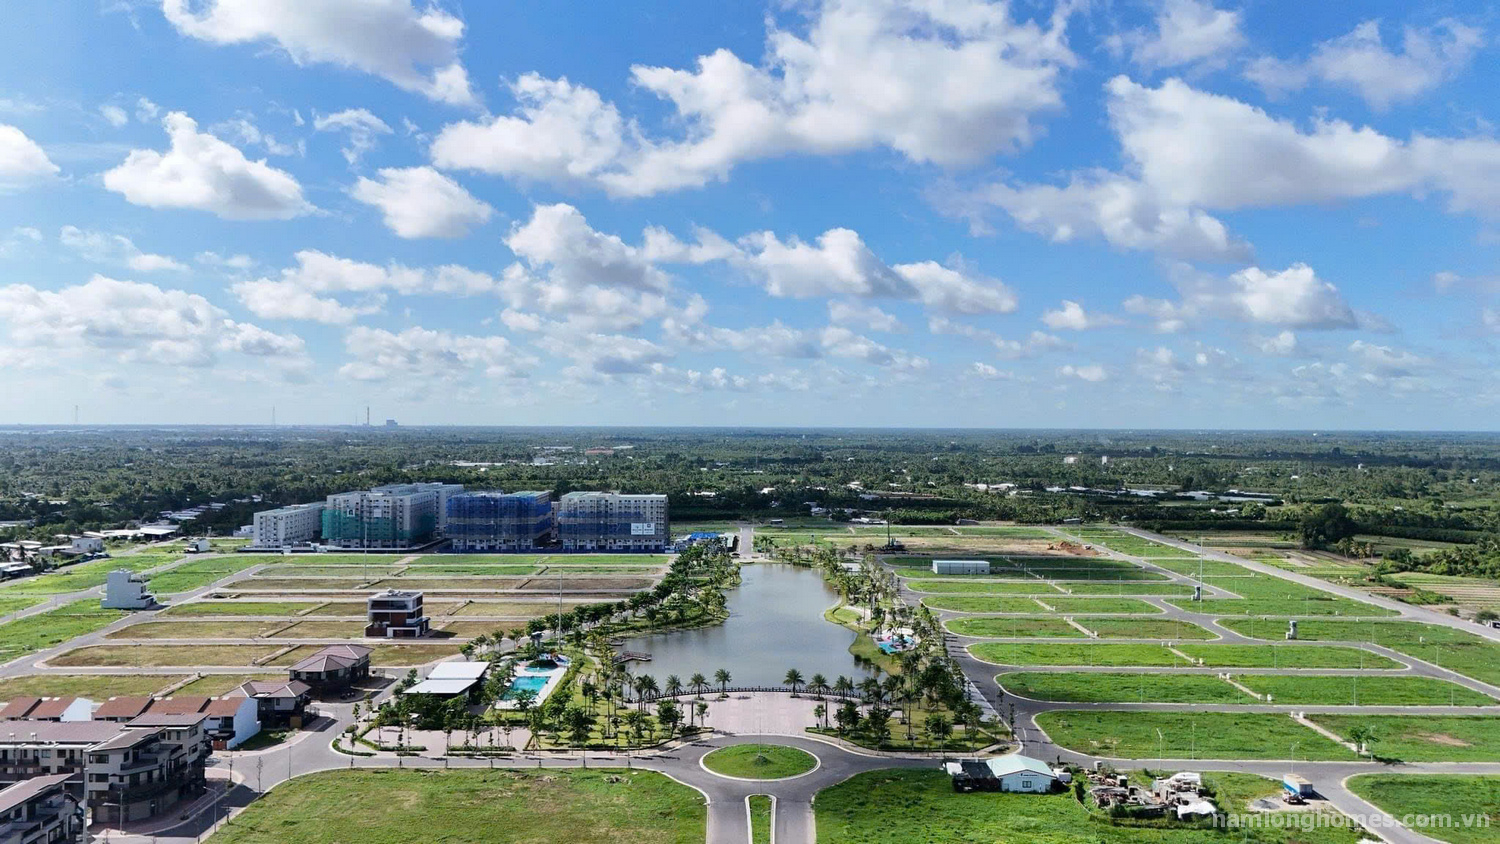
x=775, y=623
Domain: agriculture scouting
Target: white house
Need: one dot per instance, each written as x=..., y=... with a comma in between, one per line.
x=87, y=545
x=126, y=590
x=1022, y=773
x=232, y=720
x=960, y=566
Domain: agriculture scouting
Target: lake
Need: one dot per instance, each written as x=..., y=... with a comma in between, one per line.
x=775, y=623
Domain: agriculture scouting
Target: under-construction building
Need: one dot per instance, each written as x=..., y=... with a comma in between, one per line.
x=394, y=517
x=611, y=521
x=495, y=521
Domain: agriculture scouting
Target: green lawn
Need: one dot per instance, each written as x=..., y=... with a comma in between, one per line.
x=1184, y=735
x=198, y=573
x=1102, y=687
x=919, y=806
x=1015, y=628
x=1284, y=656
x=760, y=761
x=1174, y=590
x=987, y=604
x=9, y=605
x=43, y=630
x=760, y=819
x=1283, y=607
x=505, y=807
x=83, y=575
x=1069, y=653
x=1471, y=804
x=1369, y=691
x=1069, y=605
x=1143, y=628
x=1065, y=604
x=1424, y=738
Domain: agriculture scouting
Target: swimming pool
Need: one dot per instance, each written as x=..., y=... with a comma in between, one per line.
x=526, y=682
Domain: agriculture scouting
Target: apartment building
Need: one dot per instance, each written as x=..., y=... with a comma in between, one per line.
x=396, y=614
x=40, y=810
x=287, y=527
x=500, y=522
x=394, y=517
x=613, y=522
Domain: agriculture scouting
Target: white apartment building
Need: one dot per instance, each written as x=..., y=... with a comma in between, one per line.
x=126, y=590
x=389, y=517
x=442, y=491
x=612, y=521
x=286, y=527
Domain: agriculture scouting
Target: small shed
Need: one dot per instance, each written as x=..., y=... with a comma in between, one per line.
x=960, y=566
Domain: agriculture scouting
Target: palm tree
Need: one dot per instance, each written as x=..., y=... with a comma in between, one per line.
x=674, y=686
x=818, y=685
x=820, y=712
x=843, y=685
x=701, y=708
x=793, y=678
x=723, y=678
x=698, y=683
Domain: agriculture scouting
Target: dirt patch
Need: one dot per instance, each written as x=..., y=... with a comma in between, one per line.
x=1443, y=739
x=1074, y=549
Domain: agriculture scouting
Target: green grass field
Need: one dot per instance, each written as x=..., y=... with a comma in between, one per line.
x=919, y=806
x=1201, y=735
x=194, y=629
x=1015, y=628
x=82, y=576
x=1457, y=650
x=1282, y=607
x=53, y=627
x=9, y=604
x=760, y=819
x=1424, y=738
x=1065, y=604
x=1143, y=628
x=198, y=573
x=1284, y=656
x=1470, y=803
x=1366, y=691
x=1068, y=653
x=506, y=807
x=759, y=761
x=1102, y=687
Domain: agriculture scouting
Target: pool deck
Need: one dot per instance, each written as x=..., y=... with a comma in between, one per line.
x=554, y=678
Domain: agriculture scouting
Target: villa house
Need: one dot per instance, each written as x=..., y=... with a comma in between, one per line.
x=333, y=667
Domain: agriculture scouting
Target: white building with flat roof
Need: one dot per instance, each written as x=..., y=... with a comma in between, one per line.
x=126, y=590
x=960, y=566
x=612, y=521
x=285, y=527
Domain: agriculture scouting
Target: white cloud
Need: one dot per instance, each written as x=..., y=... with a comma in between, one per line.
x=1036, y=343
x=114, y=115
x=984, y=371
x=1187, y=32
x=115, y=249
x=203, y=173
x=359, y=124
x=1072, y=317
x=1279, y=345
x=146, y=111
x=561, y=133
x=1388, y=362
x=958, y=81
x=23, y=164
x=134, y=322
x=250, y=135
x=1361, y=62
x=1291, y=298
x=309, y=290
x=1092, y=373
x=421, y=202
x=427, y=355
x=416, y=49
x=863, y=316
x=1490, y=319
x=228, y=262
x=1189, y=152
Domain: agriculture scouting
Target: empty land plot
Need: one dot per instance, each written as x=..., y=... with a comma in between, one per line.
x=1069, y=653
x=10, y=604
x=213, y=685
x=162, y=656
x=1015, y=628
x=1028, y=587
x=516, y=610
x=228, y=629
x=1364, y=691
x=985, y=604
x=198, y=573
x=1281, y=607
x=469, y=629
x=1425, y=738
x=97, y=687
x=360, y=572
x=1471, y=802
x=1201, y=735
x=1140, y=687
x=231, y=608
x=453, y=584
x=335, y=559
x=449, y=569
x=53, y=627
x=590, y=584
x=1144, y=628
x=1071, y=605
x=1456, y=650
x=387, y=807
x=1284, y=656
x=1162, y=590
x=322, y=630
x=84, y=575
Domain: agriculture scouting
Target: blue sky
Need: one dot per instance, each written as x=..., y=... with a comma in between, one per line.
x=1174, y=213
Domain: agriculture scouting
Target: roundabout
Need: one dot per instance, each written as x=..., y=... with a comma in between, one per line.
x=760, y=762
